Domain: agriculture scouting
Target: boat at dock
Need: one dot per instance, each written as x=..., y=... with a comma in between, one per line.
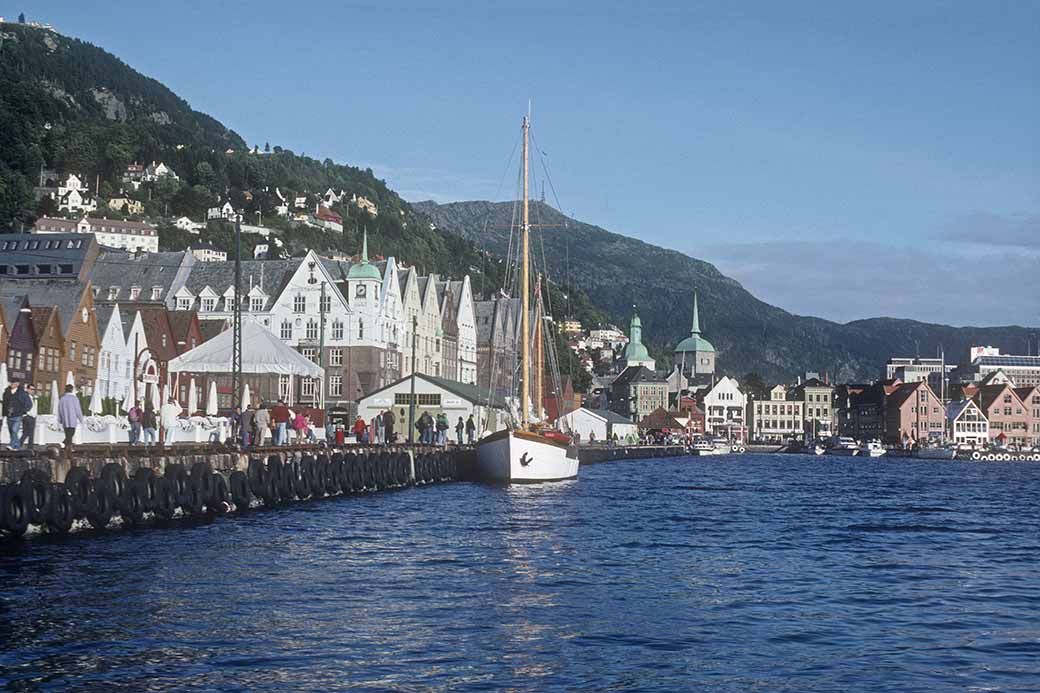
x=872, y=448
x=845, y=447
x=703, y=447
x=530, y=451
x=942, y=452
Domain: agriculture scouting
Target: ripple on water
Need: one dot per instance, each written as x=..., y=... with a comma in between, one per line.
x=736, y=573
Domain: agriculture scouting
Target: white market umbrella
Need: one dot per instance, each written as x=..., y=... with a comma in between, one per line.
x=193, y=398
x=211, y=401
x=70, y=379
x=95, y=400
x=54, y=397
x=245, y=396
x=156, y=403
x=128, y=399
x=4, y=382
x=165, y=394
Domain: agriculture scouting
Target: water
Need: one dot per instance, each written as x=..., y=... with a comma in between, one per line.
x=754, y=573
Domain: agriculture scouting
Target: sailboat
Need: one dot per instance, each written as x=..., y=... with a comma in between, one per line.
x=527, y=452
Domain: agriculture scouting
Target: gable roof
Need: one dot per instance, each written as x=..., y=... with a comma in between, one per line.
x=987, y=395
x=658, y=419
x=467, y=391
x=904, y=392
x=63, y=295
x=637, y=374
x=123, y=269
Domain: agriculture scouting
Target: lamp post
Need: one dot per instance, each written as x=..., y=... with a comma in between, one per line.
x=411, y=398
x=312, y=280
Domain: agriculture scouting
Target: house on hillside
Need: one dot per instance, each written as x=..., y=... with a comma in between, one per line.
x=126, y=205
x=225, y=211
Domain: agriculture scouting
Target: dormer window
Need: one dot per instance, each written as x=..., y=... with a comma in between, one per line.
x=183, y=303
x=135, y=291
x=113, y=293
x=156, y=293
x=208, y=304
x=256, y=303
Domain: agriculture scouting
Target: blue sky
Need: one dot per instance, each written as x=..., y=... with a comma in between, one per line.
x=840, y=159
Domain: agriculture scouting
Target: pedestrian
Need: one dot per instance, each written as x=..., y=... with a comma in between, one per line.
x=471, y=430
x=168, y=418
x=460, y=427
x=245, y=426
x=299, y=425
x=426, y=430
x=280, y=417
x=235, y=421
x=20, y=405
x=14, y=424
x=377, y=429
x=149, y=424
x=388, y=426
x=442, y=429
x=360, y=430
x=261, y=424
x=134, y=416
x=28, y=439
x=70, y=415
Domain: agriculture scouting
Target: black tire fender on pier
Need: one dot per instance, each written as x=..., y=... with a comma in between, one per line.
x=36, y=491
x=60, y=513
x=114, y=476
x=166, y=501
x=255, y=472
x=329, y=478
x=220, y=499
x=241, y=493
x=100, y=506
x=133, y=503
x=178, y=477
x=77, y=481
x=196, y=502
x=203, y=472
x=14, y=518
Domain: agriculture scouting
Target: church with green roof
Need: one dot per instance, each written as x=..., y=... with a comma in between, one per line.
x=695, y=354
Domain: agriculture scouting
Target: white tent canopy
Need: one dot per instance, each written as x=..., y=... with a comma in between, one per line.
x=262, y=352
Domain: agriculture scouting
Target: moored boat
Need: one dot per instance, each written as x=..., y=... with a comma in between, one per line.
x=843, y=446
x=524, y=457
x=872, y=448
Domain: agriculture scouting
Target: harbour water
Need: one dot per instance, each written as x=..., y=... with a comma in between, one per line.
x=736, y=573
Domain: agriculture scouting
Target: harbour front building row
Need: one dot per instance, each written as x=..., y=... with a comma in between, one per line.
x=369, y=323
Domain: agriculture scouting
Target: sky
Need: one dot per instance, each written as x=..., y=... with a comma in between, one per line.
x=839, y=159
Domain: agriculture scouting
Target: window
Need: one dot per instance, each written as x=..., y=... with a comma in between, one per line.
x=325, y=304
x=72, y=351
x=312, y=329
x=310, y=353
x=256, y=303
x=423, y=399
x=286, y=332
x=300, y=304
x=163, y=341
x=208, y=304
x=335, y=385
x=308, y=388
x=361, y=329
x=135, y=291
x=156, y=293
x=183, y=303
x=43, y=269
x=337, y=329
x=113, y=293
x=335, y=357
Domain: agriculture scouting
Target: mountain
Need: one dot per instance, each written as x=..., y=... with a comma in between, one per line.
x=70, y=107
x=617, y=272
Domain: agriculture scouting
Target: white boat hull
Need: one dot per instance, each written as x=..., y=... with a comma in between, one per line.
x=512, y=458
x=844, y=452
x=872, y=452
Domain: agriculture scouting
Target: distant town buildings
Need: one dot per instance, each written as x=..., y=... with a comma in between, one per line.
x=695, y=354
x=113, y=233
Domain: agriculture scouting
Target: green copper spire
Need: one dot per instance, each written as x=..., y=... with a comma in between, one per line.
x=364, y=269
x=696, y=320
x=364, y=261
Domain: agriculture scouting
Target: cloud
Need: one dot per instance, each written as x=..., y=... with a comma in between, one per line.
x=987, y=228
x=845, y=280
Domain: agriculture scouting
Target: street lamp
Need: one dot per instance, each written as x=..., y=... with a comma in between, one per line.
x=312, y=280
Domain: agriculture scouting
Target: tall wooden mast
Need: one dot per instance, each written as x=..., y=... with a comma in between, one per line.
x=525, y=327
x=539, y=364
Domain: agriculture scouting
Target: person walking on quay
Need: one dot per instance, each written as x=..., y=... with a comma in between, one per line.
x=299, y=424
x=8, y=398
x=280, y=417
x=377, y=429
x=28, y=439
x=168, y=415
x=261, y=424
x=134, y=416
x=425, y=425
x=442, y=429
x=471, y=430
x=17, y=407
x=149, y=424
x=460, y=427
x=245, y=426
x=388, y=426
x=70, y=416
x=358, y=429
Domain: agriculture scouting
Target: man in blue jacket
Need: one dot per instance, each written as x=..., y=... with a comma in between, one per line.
x=18, y=406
